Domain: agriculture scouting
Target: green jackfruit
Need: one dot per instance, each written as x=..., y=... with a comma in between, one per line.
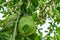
x=26, y=26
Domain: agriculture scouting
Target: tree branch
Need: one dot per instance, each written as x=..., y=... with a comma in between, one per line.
x=46, y=6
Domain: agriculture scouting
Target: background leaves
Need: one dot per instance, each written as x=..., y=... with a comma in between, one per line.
x=14, y=8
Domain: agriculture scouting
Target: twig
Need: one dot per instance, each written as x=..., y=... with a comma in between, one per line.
x=6, y=3
x=14, y=34
x=46, y=6
x=16, y=25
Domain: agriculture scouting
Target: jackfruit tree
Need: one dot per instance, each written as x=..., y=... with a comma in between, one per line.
x=22, y=17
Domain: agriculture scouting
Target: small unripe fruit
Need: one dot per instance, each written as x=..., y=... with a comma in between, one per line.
x=26, y=26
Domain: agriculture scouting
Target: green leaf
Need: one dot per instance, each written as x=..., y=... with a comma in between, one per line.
x=6, y=30
x=16, y=1
x=37, y=38
x=1, y=7
x=57, y=1
x=35, y=2
x=34, y=16
x=28, y=38
x=4, y=36
x=2, y=1
x=58, y=8
x=8, y=22
x=58, y=18
x=30, y=9
x=48, y=38
x=58, y=30
x=23, y=8
x=33, y=36
x=25, y=1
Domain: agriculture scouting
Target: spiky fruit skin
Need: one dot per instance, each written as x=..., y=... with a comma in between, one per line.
x=26, y=26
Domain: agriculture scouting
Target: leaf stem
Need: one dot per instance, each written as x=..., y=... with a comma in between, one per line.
x=16, y=25
x=14, y=34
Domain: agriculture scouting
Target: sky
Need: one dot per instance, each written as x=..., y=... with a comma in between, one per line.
x=45, y=27
x=1, y=16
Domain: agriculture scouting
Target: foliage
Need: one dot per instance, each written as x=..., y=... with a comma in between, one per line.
x=23, y=16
